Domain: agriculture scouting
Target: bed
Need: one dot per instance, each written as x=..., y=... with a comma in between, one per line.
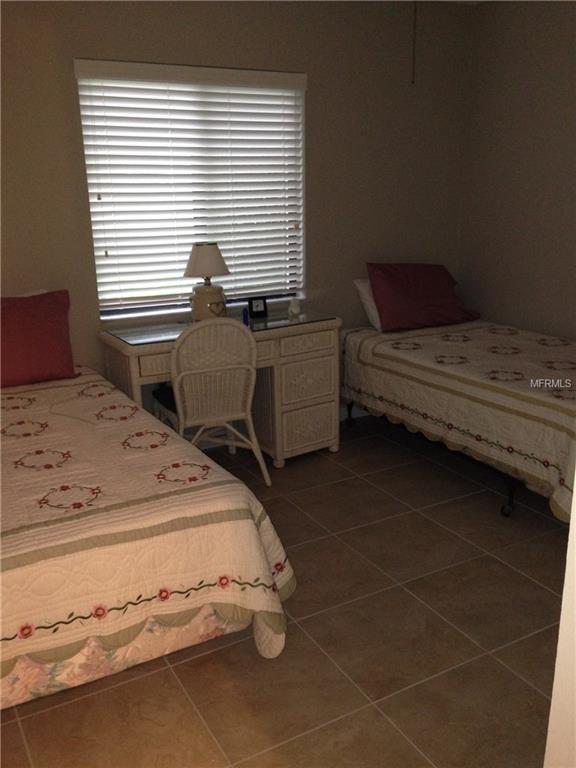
x=502, y=395
x=121, y=541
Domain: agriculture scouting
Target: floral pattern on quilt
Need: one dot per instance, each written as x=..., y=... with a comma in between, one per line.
x=112, y=523
x=520, y=417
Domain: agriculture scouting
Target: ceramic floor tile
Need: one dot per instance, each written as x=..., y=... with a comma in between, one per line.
x=211, y=646
x=363, y=426
x=534, y=658
x=329, y=573
x=477, y=716
x=254, y=481
x=409, y=545
x=306, y=471
x=6, y=715
x=478, y=519
x=13, y=753
x=63, y=697
x=148, y=723
x=474, y=470
x=251, y=703
x=488, y=601
x=371, y=454
x=415, y=441
x=388, y=641
x=347, y=504
x=362, y=740
x=422, y=483
x=543, y=558
x=533, y=500
x=292, y=525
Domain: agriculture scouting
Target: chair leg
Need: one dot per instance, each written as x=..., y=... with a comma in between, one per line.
x=255, y=445
x=230, y=436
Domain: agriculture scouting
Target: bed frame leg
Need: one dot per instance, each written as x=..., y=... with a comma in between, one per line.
x=507, y=508
x=349, y=418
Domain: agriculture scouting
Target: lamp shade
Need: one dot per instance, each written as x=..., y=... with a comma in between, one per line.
x=205, y=261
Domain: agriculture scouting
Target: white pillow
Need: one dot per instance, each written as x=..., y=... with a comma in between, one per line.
x=365, y=292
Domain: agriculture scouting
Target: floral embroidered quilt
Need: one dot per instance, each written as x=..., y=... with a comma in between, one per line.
x=501, y=394
x=112, y=523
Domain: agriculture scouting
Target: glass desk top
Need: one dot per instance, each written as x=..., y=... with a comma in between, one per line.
x=156, y=334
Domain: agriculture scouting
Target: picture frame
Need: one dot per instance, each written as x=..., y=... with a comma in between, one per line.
x=257, y=307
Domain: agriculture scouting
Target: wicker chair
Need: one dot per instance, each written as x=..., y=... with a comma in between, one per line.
x=213, y=376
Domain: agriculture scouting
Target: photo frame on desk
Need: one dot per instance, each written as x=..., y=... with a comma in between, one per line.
x=257, y=307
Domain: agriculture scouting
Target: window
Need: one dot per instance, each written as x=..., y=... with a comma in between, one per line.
x=177, y=155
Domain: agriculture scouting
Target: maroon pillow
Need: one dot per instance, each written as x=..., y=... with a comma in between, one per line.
x=35, y=339
x=415, y=296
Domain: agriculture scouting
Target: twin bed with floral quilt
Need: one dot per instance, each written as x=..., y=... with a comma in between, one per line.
x=502, y=395
x=121, y=541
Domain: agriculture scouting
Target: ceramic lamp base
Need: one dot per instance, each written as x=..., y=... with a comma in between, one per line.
x=208, y=302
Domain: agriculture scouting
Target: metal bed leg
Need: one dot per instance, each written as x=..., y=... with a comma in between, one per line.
x=507, y=508
x=350, y=418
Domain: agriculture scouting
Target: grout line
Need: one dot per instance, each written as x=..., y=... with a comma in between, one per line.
x=524, y=637
x=540, y=535
x=425, y=507
x=488, y=487
x=201, y=716
x=493, y=553
x=375, y=522
x=172, y=665
x=308, y=541
x=526, y=576
x=401, y=582
x=444, y=619
x=443, y=568
x=482, y=655
x=86, y=695
x=304, y=733
x=402, y=586
x=24, y=739
x=482, y=483
x=332, y=661
x=406, y=737
x=520, y=677
x=341, y=605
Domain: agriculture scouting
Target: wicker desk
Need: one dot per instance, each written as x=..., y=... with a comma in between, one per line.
x=296, y=402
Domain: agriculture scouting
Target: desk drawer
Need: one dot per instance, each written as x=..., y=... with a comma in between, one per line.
x=308, y=427
x=306, y=342
x=306, y=379
x=264, y=351
x=154, y=365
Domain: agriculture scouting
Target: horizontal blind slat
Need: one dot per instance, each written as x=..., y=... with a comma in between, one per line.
x=169, y=164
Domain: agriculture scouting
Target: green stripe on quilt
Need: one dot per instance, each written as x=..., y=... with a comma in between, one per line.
x=122, y=537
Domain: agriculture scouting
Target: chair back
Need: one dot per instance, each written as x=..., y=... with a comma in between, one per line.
x=213, y=371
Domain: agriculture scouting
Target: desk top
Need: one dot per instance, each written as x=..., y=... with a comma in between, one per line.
x=158, y=334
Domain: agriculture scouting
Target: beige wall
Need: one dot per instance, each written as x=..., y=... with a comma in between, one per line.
x=519, y=206
x=382, y=156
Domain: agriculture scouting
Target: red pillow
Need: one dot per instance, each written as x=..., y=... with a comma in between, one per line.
x=412, y=296
x=35, y=339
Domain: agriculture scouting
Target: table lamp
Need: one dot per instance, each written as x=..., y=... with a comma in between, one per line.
x=208, y=300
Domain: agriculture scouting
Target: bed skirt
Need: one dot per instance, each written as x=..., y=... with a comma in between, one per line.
x=30, y=678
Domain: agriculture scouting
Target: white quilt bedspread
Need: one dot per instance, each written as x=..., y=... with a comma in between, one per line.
x=111, y=519
x=503, y=395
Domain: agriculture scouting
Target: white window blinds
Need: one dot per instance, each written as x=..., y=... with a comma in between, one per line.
x=177, y=155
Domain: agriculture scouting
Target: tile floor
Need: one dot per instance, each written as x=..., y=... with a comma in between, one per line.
x=423, y=633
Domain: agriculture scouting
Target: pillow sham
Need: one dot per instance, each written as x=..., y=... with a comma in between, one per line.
x=36, y=339
x=410, y=296
x=365, y=292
